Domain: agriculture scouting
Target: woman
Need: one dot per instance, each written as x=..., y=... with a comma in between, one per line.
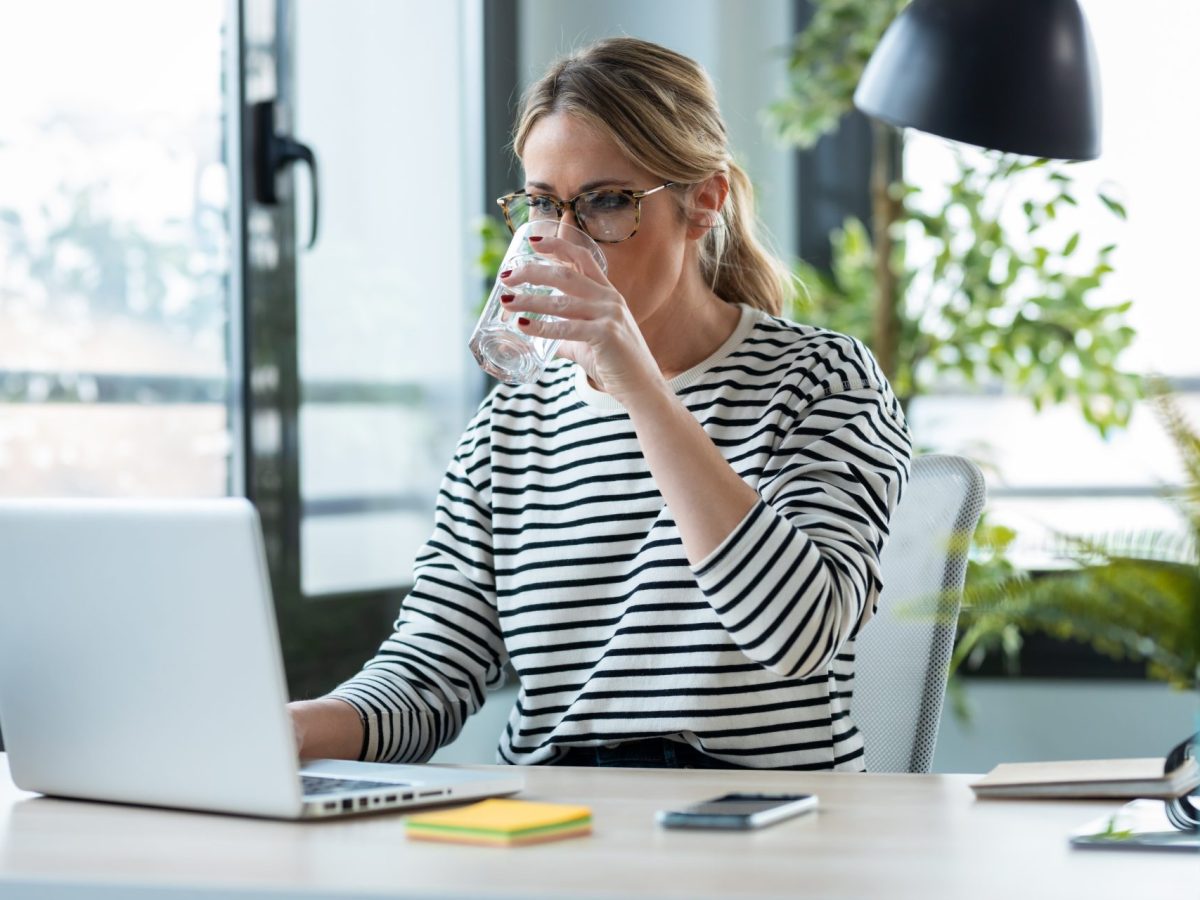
x=673, y=536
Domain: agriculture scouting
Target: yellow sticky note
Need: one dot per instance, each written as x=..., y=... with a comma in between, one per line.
x=500, y=821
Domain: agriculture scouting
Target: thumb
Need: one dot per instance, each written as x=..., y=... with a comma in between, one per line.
x=570, y=350
x=298, y=732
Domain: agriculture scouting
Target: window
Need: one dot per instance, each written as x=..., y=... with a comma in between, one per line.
x=1054, y=471
x=384, y=299
x=114, y=251
x=146, y=349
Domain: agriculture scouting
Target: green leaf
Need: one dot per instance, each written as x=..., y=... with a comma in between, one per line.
x=994, y=305
x=1117, y=208
x=825, y=64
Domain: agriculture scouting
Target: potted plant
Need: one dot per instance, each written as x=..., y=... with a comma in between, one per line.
x=1129, y=596
x=970, y=282
x=962, y=283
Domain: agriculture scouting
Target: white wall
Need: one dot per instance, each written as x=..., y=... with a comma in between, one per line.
x=479, y=737
x=1041, y=719
x=386, y=294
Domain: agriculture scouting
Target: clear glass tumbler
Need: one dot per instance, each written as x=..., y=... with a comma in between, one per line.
x=499, y=346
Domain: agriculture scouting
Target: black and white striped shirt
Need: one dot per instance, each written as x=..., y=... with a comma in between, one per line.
x=553, y=549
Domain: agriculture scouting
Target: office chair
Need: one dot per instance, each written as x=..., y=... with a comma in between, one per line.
x=904, y=651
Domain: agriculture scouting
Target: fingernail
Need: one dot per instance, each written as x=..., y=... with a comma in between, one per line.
x=534, y=238
x=506, y=273
x=521, y=320
x=506, y=298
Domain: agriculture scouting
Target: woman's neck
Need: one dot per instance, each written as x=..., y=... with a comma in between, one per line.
x=688, y=329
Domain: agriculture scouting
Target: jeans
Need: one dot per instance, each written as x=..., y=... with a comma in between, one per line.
x=648, y=753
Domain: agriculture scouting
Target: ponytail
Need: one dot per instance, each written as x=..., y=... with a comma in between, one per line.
x=734, y=262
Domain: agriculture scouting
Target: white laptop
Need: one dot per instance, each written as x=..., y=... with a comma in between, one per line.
x=140, y=663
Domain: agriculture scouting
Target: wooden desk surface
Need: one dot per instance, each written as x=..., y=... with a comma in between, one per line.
x=877, y=836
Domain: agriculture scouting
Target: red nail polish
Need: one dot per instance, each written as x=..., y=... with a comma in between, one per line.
x=506, y=273
x=507, y=298
x=534, y=238
x=521, y=320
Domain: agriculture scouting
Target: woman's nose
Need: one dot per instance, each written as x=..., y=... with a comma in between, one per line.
x=569, y=217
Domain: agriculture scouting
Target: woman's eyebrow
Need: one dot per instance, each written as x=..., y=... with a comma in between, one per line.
x=583, y=189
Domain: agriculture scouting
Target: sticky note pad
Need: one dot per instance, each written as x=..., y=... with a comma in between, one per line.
x=502, y=823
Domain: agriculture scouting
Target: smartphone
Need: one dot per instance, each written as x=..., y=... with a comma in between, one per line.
x=738, y=811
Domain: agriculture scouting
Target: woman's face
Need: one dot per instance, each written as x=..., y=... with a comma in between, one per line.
x=564, y=156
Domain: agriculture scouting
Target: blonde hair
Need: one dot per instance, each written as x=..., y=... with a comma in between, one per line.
x=660, y=108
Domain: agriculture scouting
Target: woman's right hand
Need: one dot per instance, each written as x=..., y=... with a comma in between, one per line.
x=326, y=728
x=298, y=729
x=590, y=316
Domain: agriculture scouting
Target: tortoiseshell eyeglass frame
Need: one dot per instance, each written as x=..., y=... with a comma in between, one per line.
x=561, y=206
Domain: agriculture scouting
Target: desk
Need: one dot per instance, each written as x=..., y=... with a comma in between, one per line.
x=875, y=836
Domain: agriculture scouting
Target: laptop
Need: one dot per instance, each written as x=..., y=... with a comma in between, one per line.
x=140, y=663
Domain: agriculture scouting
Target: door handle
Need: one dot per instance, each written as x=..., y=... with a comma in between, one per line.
x=272, y=152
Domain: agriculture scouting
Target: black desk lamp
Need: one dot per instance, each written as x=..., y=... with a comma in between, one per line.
x=1012, y=75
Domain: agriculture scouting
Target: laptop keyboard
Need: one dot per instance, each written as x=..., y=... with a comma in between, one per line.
x=317, y=784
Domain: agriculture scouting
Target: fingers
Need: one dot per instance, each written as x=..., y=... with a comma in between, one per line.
x=557, y=329
x=573, y=294
x=580, y=304
x=566, y=280
x=580, y=257
x=547, y=304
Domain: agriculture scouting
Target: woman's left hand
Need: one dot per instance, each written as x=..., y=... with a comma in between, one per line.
x=596, y=327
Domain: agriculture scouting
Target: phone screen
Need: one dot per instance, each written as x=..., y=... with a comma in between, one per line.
x=738, y=811
x=740, y=804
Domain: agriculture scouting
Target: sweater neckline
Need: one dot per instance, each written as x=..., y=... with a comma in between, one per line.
x=603, y=401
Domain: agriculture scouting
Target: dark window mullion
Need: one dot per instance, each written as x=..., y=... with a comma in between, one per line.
x=326, y=641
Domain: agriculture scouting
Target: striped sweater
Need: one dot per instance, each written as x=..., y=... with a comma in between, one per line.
x=553, y=550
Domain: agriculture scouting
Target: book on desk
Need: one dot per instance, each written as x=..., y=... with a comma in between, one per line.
x=1160, y=816
x=1118, y=779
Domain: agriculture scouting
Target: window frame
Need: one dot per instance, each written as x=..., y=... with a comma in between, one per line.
x=325, y=638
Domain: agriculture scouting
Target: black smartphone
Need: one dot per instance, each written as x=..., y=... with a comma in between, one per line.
x=738, y=811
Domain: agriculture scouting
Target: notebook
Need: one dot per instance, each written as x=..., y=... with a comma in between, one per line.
x=1090, y=778
x=140, y=663
x=502, y=823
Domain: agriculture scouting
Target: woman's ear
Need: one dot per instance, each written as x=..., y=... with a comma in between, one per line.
x=707, y=202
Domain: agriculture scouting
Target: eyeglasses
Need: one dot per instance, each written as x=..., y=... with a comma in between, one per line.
x=608, y=216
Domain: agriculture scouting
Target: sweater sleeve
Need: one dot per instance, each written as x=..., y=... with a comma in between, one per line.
x=800, y=574
x=446, y=650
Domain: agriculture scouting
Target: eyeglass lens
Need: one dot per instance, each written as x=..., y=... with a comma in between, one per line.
x=605, y=215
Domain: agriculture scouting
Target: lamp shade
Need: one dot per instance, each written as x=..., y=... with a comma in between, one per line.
x=1012, y=75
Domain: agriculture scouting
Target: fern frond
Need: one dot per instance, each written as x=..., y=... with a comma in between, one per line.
x=1126, y=609
x=1184, y=436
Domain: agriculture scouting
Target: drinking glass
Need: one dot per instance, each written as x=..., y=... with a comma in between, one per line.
x=499, y=346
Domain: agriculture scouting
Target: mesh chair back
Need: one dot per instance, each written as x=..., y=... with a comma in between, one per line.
x=903, y=653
